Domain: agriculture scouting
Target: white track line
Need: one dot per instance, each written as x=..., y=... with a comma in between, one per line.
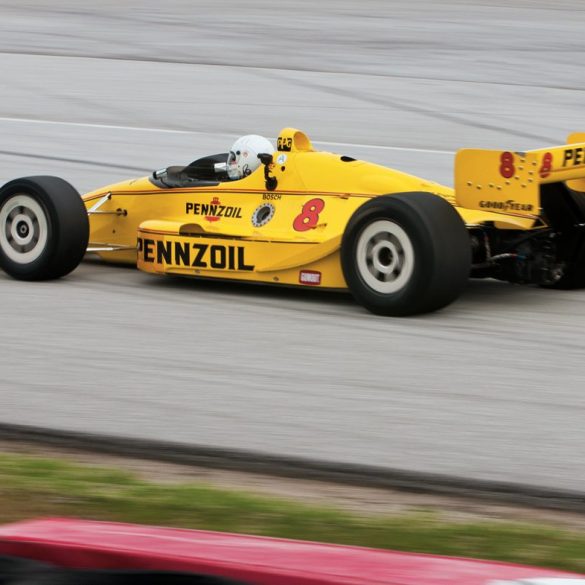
x=376, y=146
x=108, y=126
x=169, y=131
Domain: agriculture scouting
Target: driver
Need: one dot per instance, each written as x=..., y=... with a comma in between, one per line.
x=243, y=157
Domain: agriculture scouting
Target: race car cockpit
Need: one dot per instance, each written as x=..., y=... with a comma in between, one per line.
x=246, y=155
x=203, y=172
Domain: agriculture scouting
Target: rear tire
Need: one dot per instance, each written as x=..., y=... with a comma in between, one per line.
x=406, y=254
x=44, y=228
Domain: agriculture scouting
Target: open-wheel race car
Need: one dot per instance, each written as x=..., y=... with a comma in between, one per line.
x=401, y=245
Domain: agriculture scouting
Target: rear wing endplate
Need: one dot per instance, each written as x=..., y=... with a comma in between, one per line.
x=509, y=182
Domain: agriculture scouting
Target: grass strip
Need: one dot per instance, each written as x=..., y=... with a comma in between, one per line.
x=32, y=487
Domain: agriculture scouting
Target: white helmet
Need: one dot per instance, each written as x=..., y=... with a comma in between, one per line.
x=243, y=157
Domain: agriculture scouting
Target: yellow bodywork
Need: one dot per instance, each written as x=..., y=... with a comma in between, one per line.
x=509, y=182
x=222, y=231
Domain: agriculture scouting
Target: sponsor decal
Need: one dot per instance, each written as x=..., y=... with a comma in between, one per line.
x=310, y=277
x=213, y=211
x=194, y=254
x=246, y=171
x=574, y=156
x=263, y=214
x=509, y=205
x=284, y=144
x=281, y=159
x=271, y=196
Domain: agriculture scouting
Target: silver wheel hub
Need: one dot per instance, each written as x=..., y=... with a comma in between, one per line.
x=384, y=256
x=23, y=229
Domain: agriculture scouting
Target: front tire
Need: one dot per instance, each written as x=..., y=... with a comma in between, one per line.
x=406, y=254
x=44, y=228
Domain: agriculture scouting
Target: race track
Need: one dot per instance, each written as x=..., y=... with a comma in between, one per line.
x=491, y=388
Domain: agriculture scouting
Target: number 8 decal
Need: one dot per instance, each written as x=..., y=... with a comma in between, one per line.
x=546, y=166
x=507, y=168
x=309, y=216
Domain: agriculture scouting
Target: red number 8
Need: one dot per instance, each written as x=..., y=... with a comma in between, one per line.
x=507, y=169
x=309, y=215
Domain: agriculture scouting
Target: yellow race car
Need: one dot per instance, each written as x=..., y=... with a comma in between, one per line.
x=402, y=245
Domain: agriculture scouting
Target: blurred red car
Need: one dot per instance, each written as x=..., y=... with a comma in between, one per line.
x=128, y=553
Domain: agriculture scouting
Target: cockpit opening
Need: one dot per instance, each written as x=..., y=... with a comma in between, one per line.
x=203, y=172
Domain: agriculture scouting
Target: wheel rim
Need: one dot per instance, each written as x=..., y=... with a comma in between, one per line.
x=23, y=229
x=384, y=256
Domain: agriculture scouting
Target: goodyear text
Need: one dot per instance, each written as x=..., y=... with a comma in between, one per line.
x=509, y=205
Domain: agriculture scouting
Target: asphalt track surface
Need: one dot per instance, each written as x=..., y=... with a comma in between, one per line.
x=492, y=388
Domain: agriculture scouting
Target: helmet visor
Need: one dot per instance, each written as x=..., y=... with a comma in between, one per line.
x=232, y=166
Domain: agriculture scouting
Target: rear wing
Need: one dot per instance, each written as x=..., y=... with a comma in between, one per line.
x=509, y=182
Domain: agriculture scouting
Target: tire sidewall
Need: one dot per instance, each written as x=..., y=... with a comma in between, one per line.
x=404, y=218
x=67, y=227
x=440, y=245
x=36, y=267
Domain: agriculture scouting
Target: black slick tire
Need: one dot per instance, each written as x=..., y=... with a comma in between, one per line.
x=406, y=254
x=44, y=228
